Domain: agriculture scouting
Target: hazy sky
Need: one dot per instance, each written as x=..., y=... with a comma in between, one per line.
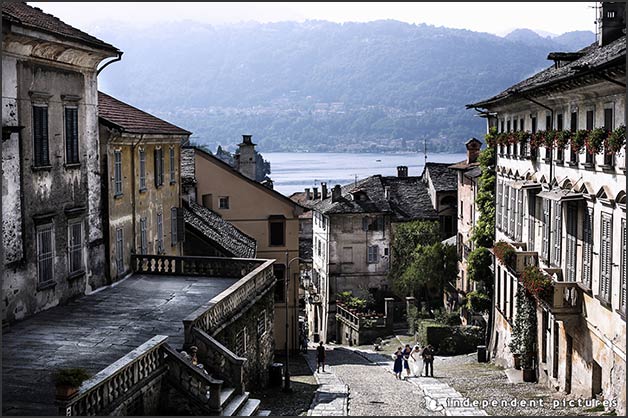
x=497, y=18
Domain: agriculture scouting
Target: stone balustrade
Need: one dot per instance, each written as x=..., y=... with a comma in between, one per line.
x=219, y=358
x=359, y=321
x=193, y=266
x=102, y=393
x=565, y=298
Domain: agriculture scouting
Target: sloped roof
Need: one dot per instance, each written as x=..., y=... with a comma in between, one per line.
x=218, y=231
x=473, y=173
x=593, y=57
x=188, y=174
x=133, y=120
x=301, y=199
x=35, y=18
x=443, y=178
x=408, y=200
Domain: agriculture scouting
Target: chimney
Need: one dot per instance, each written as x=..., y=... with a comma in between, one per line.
x=402, y=171
x=315, y=190
x=324, y=191
x=387, y=192
x=473, y=150
x=308, y=196
x=336, y=194
x=246, y=163
x=611, y=22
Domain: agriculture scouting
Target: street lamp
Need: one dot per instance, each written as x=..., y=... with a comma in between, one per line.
x=286, y=387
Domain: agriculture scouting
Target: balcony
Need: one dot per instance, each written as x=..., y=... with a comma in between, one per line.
x=565, y=298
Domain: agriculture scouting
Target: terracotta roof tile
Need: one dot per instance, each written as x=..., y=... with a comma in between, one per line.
x=133, y=120
x=35, y=18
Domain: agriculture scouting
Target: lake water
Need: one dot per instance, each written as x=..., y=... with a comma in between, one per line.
x=293, y=171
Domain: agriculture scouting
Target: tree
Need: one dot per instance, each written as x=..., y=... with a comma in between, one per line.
x=407, y=236
x=479, y=266
x=484, y=231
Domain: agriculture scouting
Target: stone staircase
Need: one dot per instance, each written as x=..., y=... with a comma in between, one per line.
x=239, y=405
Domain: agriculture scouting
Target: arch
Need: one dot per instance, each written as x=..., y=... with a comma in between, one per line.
x=621, y=198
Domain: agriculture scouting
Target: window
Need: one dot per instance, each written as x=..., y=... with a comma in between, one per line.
x=606, y=234
x=143, y=237
x=531, y=220
x=373, y=254
x=461, y=210
x=71, y=135
x=589, y=125
x=558, y=235
x=160, y=233
x=608, y=125
x=498, y=214
x=502, y=126
x=45, y=253
x=117, y=173
x=622, y=280
x=548, y=126
x=159, y=167
x=142, y=169
x=240, y=343
x=261, y=323
x=508, y=126
x=511, y=211
x=207, y=200
x=172, y=164
x=41, y=156
x=533, y=152
x=572, y=222
x=277, y=226
x=223, y=202
x=119, y=251
x=319, y=248
x=173, y=227
x=559, y=127
x=573, y=155
x=587, y=248
x=514, y=125
x=279, y=270
x=546, y=230
x=75, y=247
x=365, y=223
x=519, y=226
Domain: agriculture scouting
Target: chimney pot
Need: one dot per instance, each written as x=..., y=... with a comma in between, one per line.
x=402, y=171
x=324, y=191
x=247, y=139
x=315, y=190
x=307, y=193
x=336, y=193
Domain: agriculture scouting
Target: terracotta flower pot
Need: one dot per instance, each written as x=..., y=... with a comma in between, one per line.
x=66, y=392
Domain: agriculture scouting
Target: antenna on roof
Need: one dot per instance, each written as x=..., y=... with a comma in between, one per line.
x=595, y=22
x=425, y=149
x=356, y=179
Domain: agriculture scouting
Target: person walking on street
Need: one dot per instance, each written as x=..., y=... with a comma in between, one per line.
x=417, y=361
x=398, y=365
x=406, y=357
x=320, y=357
x=428, y=359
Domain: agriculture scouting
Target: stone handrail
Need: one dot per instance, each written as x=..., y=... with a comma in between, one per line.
x=193, y=266
x=99, y=394
x=219, y=358
x=360, y=321
x=190, y=379
x=222, y=308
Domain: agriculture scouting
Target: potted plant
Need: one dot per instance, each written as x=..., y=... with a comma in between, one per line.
x=615, y=140
x=595, y=140
x=68, y=381
x=537, y=140
x=505, y=253
x=562, y=138
x=578, y=139
x=536, y=282
x=549, y=139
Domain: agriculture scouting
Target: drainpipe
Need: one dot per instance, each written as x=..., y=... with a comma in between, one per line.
x=133, y=196
x=118, y=58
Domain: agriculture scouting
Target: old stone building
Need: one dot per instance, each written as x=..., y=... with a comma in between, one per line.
x=561, y=202
x=140, y=155
x=352, y=230
x=53, y=238
x=441, y=182
x=261, y=213
x=468, y=172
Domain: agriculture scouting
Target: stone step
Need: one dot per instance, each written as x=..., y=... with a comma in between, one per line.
x=235, y=404
x=225, y=395
x=263, y=413
x=250, y=408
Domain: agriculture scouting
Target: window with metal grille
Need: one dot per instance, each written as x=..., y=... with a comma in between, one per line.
x=606, y=235
x=160, y=233
x=558, y=234
x=589, y=126
x=587, y=248
x=622, y=279
x=172, y=165
x=41, y=156
x=546, y=230
x=373, y=254
x=609, y=157
x=261, y=323
x=75, y=247
x=240, y=343
x=71, y=136
x=572, y=225
x=142, y=154
x=119, y=251
x=45, y=253
x=117, y=173
x=223, y=202
x=159, y=167
x=143, y=237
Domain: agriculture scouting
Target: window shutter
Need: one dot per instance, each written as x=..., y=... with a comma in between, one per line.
x=622, y=294
x=71, y=135
x=587, y=247
x=161, y=166
x=156, y=170
x=546, y=230
x=605, y=257
x=180, y=225
x=40, y=135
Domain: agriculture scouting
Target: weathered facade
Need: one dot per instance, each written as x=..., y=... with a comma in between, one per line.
x=563, y=208
x=441, y=182
x=352, y=232
x=468, y=175
x=53, y=241
x=262, y=213
x=141, y=156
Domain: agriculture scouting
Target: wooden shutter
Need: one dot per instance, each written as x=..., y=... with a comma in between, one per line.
x=587, y=247
x=546, y=230
x=519, y=231
x=180, y=225
x=622, y=280
x=156, y=170
x=531, y=220
x=605, y=257
x=572, y=214
x=71, y=135
x=558, y=234
x=40, y=136
x=161, y=167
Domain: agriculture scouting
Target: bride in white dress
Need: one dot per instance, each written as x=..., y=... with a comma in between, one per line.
x=417, y=361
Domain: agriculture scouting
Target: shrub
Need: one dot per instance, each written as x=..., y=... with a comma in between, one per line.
x=479, y=265
x=595, y=140
x=505, y=253
x=536, y=282
x=616, y=140
x=70, y=377
x=448, y=318
x=578, y=139
x=478, y=302
x=562, y=138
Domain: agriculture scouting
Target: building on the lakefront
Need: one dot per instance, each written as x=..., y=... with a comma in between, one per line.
x=562, y=204
x=140, y=156
x=260, y=212
x=352, y=233
x=468, y=175
x=52, y=236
